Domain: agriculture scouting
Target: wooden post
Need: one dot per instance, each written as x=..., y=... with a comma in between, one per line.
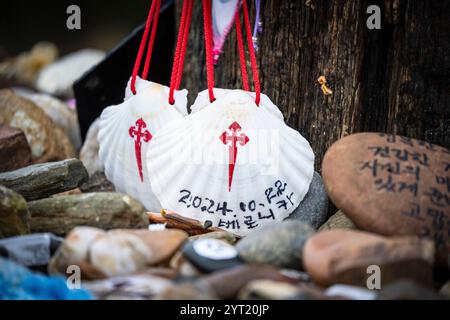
x=393, y=80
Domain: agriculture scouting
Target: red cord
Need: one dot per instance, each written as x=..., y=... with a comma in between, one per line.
x=207, y=25
x=241, y=51
x=252, y=53
x=137, y=63
x=176, y=60
x=184, y=44
x=152, y=40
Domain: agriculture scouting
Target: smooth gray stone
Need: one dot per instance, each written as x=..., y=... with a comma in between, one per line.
x=45, y=179
x=314, y=207
x=280, y=244
x=104, y=210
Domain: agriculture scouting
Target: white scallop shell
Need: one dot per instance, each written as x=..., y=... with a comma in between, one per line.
x=189, y=165
x=117, y=148
x=202, y=101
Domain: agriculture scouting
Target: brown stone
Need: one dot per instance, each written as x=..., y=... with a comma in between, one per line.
x=15, y=152
x=162, y=244
x=119, y=252
x=47, y=141
x=343, y=256
x=338, y=221
x=392, y=185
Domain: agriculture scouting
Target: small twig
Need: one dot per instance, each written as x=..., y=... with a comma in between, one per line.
x=175, y=221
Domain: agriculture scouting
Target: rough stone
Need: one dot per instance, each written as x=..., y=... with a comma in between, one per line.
x=59, y=112
x=346, y=257
x=15, y=152
x=103, y=210
x=45, y=179
x=47, y=141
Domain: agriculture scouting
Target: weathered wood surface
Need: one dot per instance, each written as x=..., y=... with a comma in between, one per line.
x=393, y=80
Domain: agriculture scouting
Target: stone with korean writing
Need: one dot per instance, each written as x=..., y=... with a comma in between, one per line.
x=392, y=185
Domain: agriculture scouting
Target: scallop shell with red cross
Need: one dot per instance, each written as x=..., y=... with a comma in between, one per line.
x=127, y=129
x=231, y=162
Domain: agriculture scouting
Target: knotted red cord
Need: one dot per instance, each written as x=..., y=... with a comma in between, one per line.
x=241, y=51
x=152, y=40
x=180, y=50
x=151, y=19
x=251, y=50
x=207, y=25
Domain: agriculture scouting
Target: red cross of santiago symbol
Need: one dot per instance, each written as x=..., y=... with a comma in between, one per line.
x=234, y=138
x=138, y=133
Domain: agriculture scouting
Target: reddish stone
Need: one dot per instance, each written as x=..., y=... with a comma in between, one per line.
x=344, y=256
x=15, y=153
x=392, y=185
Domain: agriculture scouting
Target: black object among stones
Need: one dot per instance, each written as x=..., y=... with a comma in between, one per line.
x=104, y=85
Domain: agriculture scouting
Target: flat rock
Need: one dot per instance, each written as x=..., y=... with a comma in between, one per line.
x=15, y=152
x=392, y=185
x=103, y=210
x=58, y=78
x=47, y=141
x=279, y=244
x=60, y=113
x=338, y=221
x=346, y=257
x=45, y=179
x=97, y=183
x=314, y=207
x=14, y=215
x=89, y=150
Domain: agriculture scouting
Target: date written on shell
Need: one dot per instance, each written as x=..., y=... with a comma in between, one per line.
x=276, y=198
x=227, y=309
